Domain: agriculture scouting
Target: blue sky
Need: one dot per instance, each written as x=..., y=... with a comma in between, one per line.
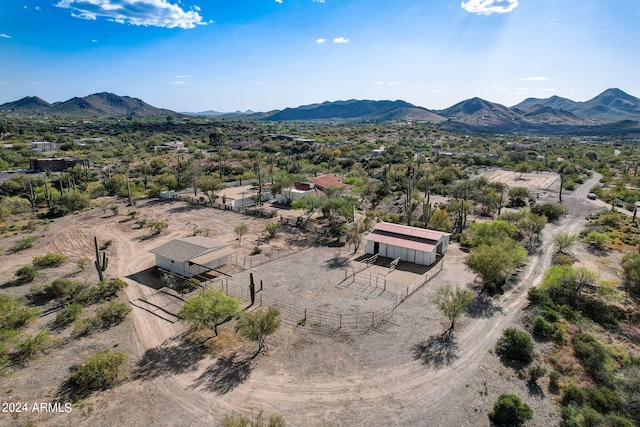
x=227, y=55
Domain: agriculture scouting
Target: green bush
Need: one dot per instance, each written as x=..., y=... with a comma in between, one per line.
x=256, y=421
x=536, y=372
x=83, y=327
x=551, y=331
x=32, y=345
x=110, y=313
x=27, y=273
x=593, y=355
x=14, y=313
x=562, y=259
x=553, y=211
x=49, y=260
x=110, y=288
x=509, y=410
x=23, y=244
x=596, y=239
x=572, y=394
x=61, y=288
x=68, y=314
x=256, y=250
x=101, y=371
x=515, y=345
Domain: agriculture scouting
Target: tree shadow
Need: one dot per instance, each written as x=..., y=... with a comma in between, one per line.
x=173, y=357
x=438, y=351
x=482, y=307
x=337, y=262
x=535, y=389
x=224, y=375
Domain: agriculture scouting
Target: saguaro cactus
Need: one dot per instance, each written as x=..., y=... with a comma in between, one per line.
x=252, y=288
x=101, y=265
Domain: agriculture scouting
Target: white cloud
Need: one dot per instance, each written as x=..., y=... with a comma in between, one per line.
x=4, y=83
x=393, y=83
x=378, y=83
x=340, y=40
x=184, y=76
x=156, y=13
x=5, y=36
x=487, y=7
x=179, y=83
x=320, y=41
x=534, y=79
x=257, y=83
x=279, y=1
x=318, y=1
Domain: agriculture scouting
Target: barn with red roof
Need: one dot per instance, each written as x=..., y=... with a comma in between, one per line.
x=410, y=244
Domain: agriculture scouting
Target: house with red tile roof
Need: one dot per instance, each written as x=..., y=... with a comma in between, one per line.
x=312, y=186
x=410, y=244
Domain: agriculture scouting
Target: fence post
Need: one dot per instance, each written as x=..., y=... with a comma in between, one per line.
x=372, y=318
x=340, y=321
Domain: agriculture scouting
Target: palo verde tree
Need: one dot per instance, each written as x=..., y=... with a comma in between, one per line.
x=258, y=325
x=494, y=262
x=208, y=309
x=452, y=303
x=563, y=241
x=240, y=230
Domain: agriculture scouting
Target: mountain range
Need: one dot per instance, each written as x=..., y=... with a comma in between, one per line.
x=102, y=104
x=612, y=109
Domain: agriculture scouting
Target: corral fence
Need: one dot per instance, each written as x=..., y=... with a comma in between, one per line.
x=325, y=321
x=379, y=283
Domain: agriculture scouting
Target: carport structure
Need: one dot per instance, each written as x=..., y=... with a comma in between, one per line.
x=190, y=256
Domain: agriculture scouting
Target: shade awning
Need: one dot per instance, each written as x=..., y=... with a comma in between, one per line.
x=212, y=256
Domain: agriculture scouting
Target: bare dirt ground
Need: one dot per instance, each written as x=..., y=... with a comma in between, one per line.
x=398, y=374
x=533, y=181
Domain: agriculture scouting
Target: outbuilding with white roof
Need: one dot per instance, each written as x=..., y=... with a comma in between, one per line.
x=410, y=244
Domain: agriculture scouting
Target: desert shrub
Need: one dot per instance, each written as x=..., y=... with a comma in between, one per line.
x=100, y=372
x=509, y=410
x=83, y=327
x=14, y=313
x=256, y=421
x=110, y=288
x=572, y=394
x=554, y=380
x=49, y=260
x=83, y=263
x=272, y=228
x=191, y=284
x=26, y=274
x=68, y=314
x=111, y=313
x=515, y=345
x=60, y=288
x=539, y=297
x=87, y=295
x=23, y=244
x=593, y=355
x=536, y=372
x=562, y=259
x=256, y=250
x=553, y=211
x=32, y=345
x=596, y=239
x=604, y=400
x=551, y=331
